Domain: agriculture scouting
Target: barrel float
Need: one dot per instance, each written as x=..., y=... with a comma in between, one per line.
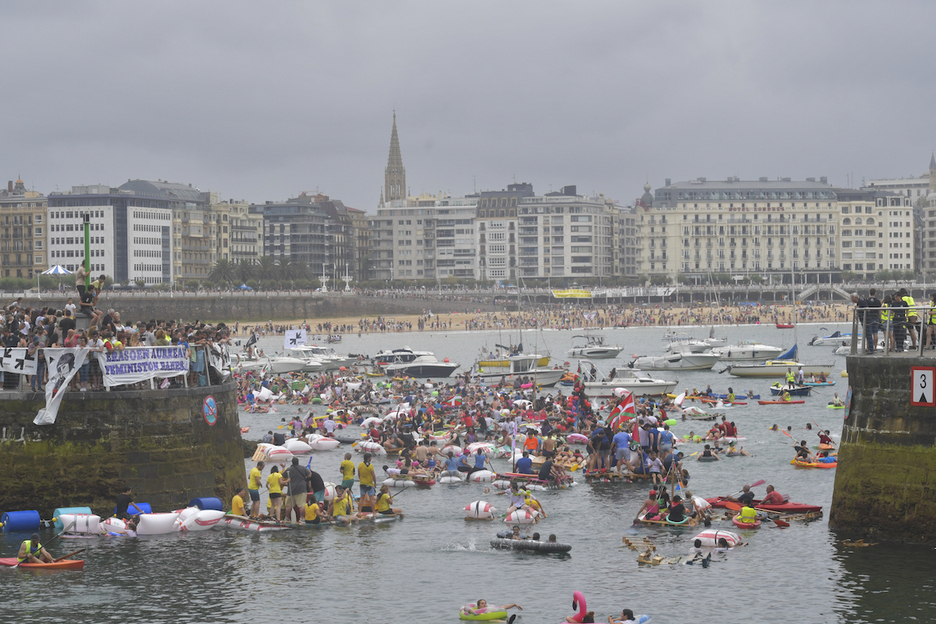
x=399, y=483
x=158, y=523
x=80, y=522
x=202, y=521
x=521, y=516
x=479, y=510
x=373, y=420
x=451, y=478
x=278, y=453
x=529, y=545
x=208, y=502
x=455, y=449
x=502, y=484
x=297, y=447
x=576, y=438
x=323, y=443
x=474, y=446
x=20, y=521
x=137, y=508
x=329, y=492
x=369, y=447
x=710, y=537
x=483, y=476
x=114, y=525
x=57, y=515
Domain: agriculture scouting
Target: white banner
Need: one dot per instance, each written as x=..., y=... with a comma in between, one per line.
x=294, y=338
x=220, y=359
x=135, y=364
x=17, y=360
x=63, y=365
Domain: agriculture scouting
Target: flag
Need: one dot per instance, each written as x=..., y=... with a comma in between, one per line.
x=63, y=365
x=252, y=341
x=625, y=410
x=294, y=338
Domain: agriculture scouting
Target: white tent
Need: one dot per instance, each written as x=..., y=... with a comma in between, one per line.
x=58, y=269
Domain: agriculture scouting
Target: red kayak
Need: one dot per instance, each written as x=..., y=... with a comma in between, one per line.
x=779, y=402
x=745, y=525
x=784, y=325
x=65, y=564
x=788, y=508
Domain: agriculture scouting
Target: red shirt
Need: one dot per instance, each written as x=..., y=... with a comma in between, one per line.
x=773, y=498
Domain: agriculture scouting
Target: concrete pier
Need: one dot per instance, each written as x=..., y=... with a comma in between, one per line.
x=885, y=483
x=159, y=442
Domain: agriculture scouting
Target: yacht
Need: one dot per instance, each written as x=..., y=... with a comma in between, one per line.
x=274, y=363
x=523, y=366
x=327, y=355
x=422, y=366
x=594, y=348
x=679, y=360
x=747, y=352
x=396, y=356
x=835, y=339
x=603, y=386
x=778, y=367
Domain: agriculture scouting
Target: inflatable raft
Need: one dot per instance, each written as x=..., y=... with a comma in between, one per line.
x=736, y=520
x=528, y=545
x=710, y=537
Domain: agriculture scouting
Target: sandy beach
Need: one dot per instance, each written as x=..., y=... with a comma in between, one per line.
x=613, y=316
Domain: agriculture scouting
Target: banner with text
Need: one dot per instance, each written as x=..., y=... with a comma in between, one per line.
x=135, y=364
x=63, y=365
x=17, y=360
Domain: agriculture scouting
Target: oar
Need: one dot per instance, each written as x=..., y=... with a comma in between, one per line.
x=55, y=537
x=68, y=555
x=757, y=483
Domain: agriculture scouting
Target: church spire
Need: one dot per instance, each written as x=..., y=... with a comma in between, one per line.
x=395, y=174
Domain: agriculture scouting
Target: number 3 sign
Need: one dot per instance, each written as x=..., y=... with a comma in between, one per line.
x=924, y=385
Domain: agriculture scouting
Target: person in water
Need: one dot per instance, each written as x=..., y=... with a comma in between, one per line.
x=626, y=616
x=482, y=607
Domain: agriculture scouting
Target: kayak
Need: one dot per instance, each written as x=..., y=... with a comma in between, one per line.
x=801, y=464
x=779, y=402
x=724, y=402
x=826, y=447
x=65, y=564
x=784, y=325
x=745, y=525
x=818, y=383
x=787, y=508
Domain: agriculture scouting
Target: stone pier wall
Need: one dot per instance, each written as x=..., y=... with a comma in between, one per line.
x=885, y=483
x=156, y=441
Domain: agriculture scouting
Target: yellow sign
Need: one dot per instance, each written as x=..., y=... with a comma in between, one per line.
x=572, y=294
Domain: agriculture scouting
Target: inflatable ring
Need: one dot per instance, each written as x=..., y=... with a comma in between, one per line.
x=482, y=617
x=684, y=520
x=315, y=400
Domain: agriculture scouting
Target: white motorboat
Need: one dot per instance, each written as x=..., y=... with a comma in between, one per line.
x=398, y=355
x=780, y=367
x=523, y=366
x=747, y=352
x=272, y=363
x=422, y=366
x=603, y=386
x=680, y=360
x=326, y=355
x=594, y=348
x=835, y=339
x=312, y=363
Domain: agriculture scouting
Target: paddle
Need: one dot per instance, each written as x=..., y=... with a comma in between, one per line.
x=757, y=483
x=68, y=555
x=54, y=537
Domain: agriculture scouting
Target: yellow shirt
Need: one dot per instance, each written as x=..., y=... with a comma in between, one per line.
x=311, y=512
x=341, y=507
x=347, y=470
x=383, y=503
x=255, y=479
x=237, y=506
x=273, y=482
x=367, y=474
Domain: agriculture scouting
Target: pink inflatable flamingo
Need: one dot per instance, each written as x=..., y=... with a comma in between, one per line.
x=578, y=602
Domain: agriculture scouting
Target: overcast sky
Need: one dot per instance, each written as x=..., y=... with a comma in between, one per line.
x=263, y=100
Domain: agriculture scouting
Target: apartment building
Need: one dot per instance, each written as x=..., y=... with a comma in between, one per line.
x=22, y=231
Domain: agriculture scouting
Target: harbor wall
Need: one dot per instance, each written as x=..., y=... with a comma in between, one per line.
x=257, y=308
x=885, y=483
x=158, y=442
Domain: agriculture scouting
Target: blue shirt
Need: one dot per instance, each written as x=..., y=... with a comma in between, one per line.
x=622, y=439
x=479, y=461
x=666, y=437
x=451, y=464
x=525, y=465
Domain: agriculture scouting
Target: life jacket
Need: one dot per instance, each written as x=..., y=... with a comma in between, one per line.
x=30, y=550
x=749, y=515
x=911, y=313
x=885, y=315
